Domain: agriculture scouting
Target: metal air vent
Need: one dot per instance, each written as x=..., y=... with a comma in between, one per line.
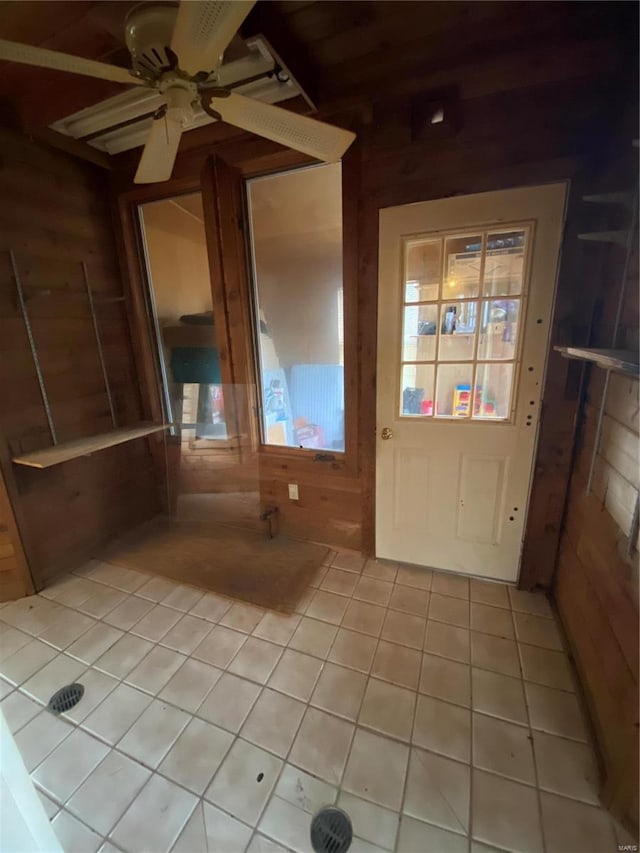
x=331, y=831
x=65, y=698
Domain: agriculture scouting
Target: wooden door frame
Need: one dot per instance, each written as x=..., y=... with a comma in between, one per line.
x=531, y=212
x=561, y=389
x=561, y=385
x=127, y=203
x=131, y=257
x=304, y=460
x=214, y=175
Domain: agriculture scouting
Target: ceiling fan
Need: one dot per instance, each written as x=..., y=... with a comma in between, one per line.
x=177, y=51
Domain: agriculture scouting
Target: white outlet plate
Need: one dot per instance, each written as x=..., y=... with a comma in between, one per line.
x=293, y=492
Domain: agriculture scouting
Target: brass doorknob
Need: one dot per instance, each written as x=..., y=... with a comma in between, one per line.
x=386, y=433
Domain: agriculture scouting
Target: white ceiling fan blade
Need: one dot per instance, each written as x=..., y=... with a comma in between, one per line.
x=27, y=54
x=312, y=137
x=159, y=154
x=203, y=30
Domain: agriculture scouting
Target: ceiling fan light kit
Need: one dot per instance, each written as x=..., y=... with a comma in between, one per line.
x=177, y=52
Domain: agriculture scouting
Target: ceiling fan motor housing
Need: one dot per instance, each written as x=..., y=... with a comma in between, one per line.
x=180, y=97
x=148, y=31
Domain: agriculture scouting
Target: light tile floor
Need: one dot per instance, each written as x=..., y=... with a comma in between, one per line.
x=440, y=712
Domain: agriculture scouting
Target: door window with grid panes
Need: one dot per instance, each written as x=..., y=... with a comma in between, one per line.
x=462, y=320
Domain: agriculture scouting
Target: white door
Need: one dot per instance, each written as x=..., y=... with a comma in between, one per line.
x=466, y=289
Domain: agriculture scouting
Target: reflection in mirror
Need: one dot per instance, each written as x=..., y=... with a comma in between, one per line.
x=453, y=395
x=296, y=236
x=422, y=270
x=208, y=476
x=457, y=330
x=420, y=325
x=499, y=329
x=492, y=393
x=463, y=266
x=178, y=270
x=417, y=389
x=504, y=264
x=462, y=319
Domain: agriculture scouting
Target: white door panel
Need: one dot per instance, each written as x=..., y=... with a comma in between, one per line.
x=481, y=495
x=466, y=289
x=411, y=486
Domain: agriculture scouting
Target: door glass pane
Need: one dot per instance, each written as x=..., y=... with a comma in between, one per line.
x=493, y=391
x=416, y=389
x=296, y=238
x=423, y=265
x=504, y=265
x=463, y=261
x=499, y=329
x=420, y=326
x=466, y=319
x=453, y=397
x=457, y=330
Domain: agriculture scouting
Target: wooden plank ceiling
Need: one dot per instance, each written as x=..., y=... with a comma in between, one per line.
x=344, y=51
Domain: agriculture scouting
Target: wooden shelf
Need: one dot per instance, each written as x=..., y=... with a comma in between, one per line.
x=624, y=198
x=59, y=453
x=621, y=361
x=619, y=237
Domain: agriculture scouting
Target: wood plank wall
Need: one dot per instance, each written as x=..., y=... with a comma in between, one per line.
x=596, y=586
x=596, y=589
x=55, y=215
x=499, y=145
x=534, y=98
x=15, y=577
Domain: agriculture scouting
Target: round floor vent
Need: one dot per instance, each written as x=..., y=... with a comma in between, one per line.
x=65, y=698
x=331, y=830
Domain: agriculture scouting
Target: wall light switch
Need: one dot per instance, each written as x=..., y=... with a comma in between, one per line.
x=293, y=492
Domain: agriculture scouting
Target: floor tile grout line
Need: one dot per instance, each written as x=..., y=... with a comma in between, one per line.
x=413, y=725
x=468, y=764
x=238, y=734
x=370, y=675
x=323, y=661
x=218, y=622
x=413, y=722
x=201, y=797
x=155, y=772
x=64, y=806
x=200, y=805
x=75, y=639
x=352, y=722
x=156, y=694
x=194, y=715
x=356, y=722
x=531, y=742
x=285, y=760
